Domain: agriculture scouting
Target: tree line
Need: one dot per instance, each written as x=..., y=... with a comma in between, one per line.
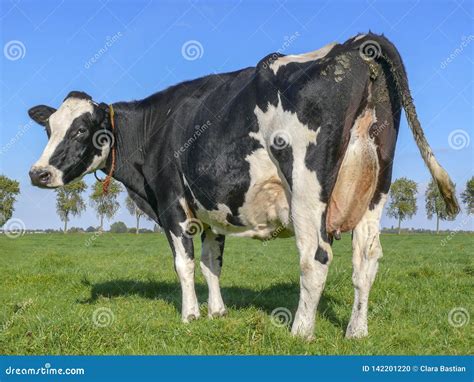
x=402, y=205
x=70, y=201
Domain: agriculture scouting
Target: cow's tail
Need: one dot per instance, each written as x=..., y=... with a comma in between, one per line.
x=390, y=55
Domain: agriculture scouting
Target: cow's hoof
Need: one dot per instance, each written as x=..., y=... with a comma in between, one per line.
x=356, y=332
x=218, y=313
x=190, y=317
x=302, y=331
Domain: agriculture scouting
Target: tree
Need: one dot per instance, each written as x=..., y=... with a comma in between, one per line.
x=468, y=196
x=435, y=205
x=134, y=211
x=9, y=189
x=118, y=227
x=105, y=204
x=69, y=201
x=402, y=200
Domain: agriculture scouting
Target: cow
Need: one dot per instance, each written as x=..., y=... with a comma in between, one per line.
x=297, y=145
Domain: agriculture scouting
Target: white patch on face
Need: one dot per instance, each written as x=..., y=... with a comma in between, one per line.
x=60, y=122
x=301, y=58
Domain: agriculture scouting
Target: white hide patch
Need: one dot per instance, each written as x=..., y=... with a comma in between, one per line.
x=301, y=58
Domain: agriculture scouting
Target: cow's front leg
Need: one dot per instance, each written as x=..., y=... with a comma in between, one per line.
x=211, y=265
x=183, y=252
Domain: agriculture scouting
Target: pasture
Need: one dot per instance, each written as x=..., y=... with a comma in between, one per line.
x=118, y=294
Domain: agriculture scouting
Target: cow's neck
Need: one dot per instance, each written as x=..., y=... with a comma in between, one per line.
x=129, y=132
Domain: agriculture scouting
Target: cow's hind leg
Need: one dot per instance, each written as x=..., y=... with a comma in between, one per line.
x=367, y=250
x=211, y=265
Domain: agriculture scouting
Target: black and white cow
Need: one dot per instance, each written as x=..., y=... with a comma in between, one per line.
x=299, y=144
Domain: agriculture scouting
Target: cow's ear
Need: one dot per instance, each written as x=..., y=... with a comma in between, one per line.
x=41, y=113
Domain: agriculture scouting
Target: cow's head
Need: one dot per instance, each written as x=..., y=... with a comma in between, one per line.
x=79, y=140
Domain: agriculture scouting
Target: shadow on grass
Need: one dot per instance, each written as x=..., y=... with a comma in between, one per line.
x=278, y=295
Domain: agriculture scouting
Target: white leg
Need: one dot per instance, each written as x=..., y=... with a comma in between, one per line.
x=184, y=265
x=366, y=253
x=211, y=265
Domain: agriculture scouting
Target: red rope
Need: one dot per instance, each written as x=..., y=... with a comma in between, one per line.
x=108, y=179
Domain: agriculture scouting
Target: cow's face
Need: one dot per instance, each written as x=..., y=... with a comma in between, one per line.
x=75, y=146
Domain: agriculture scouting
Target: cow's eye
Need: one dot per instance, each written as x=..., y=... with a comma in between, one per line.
x=81, y=131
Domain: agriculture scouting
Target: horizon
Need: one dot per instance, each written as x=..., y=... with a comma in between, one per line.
x=132, y=50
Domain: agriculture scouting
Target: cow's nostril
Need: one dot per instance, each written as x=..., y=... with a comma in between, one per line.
x=44, y=176
x=40, y=177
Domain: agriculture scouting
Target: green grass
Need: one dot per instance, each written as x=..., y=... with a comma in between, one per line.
x=51, y=285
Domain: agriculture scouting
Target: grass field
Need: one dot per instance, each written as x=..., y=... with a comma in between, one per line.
x=118, y=294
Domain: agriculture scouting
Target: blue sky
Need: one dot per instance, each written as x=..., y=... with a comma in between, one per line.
x=56, y=41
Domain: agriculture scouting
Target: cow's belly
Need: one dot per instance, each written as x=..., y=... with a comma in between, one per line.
x=265, y=213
